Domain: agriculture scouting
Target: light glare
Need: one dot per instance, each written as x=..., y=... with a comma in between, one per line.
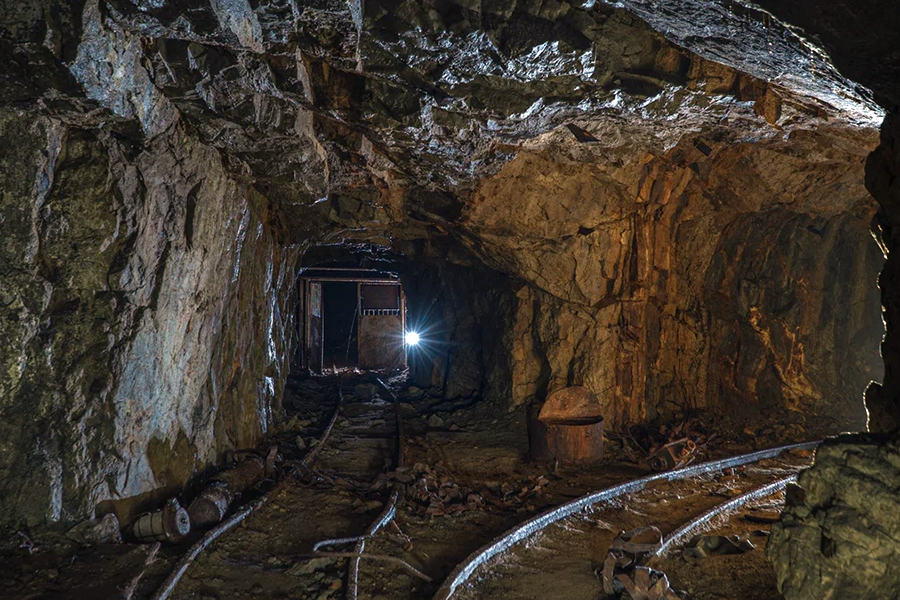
x=412, y=338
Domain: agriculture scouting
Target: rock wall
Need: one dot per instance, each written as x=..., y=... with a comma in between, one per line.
x=163, y=162
x=464, y=314
x=838, y=538
x=741, y=281
x=145, y=315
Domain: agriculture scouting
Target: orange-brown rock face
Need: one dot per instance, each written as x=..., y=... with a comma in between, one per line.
x=739, y=280
x=702, y=241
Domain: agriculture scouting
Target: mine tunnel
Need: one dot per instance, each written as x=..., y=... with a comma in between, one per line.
x=449, y=300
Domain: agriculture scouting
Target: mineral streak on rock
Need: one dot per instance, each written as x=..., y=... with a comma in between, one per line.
x=163, y=167
x=840, y=538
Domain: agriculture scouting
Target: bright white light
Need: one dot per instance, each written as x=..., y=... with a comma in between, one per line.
x=412, y=338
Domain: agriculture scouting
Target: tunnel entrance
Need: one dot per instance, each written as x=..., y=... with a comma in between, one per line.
x=352, y=318
x=340, y=345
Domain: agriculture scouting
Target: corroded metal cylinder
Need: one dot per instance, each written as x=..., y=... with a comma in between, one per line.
x=167, y=525
x=569, y=442
x=210, y=506
x=569, y=428
x=576, y=442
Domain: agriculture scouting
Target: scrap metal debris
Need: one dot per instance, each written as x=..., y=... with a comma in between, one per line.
x=673, y=455
x=168, y=586
x=432, y=490
x=211, y=505
x=624, y=577
x=665, y=447
x=704, y=545
x=171, y=524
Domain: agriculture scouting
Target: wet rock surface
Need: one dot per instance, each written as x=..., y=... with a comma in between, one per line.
x=164, y=166
x=133, y=302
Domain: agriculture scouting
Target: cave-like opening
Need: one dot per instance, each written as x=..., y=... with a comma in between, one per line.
x=340, y=324
x=416, y=274
x=352, y=319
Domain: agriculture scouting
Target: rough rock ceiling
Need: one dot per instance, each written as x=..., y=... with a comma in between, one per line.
x=130, y=209
x=312, y=99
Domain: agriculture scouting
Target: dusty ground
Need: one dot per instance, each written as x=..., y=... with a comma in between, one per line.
x=467, y=481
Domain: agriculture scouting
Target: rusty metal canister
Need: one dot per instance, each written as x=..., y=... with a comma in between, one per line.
x=167, y=525
x=569, y=427
x=210, y=506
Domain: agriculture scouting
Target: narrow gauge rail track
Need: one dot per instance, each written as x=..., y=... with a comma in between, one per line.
x=306, y=468
x=463, y=573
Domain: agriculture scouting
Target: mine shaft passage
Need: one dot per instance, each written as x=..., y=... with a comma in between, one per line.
x=353, y=319
x=424, y=274
x=340, y=344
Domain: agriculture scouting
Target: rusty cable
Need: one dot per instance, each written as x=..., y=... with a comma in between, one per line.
x=390, y=510
x=379, y=557
x=168, y=586
x=464, y=570
x=386, y=516
x=311, y=456
x=337, y=542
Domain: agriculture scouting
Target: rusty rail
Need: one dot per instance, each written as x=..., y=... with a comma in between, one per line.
x=696, y=524
x=464, y=570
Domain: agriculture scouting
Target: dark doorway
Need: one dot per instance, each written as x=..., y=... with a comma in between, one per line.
x=341, y=334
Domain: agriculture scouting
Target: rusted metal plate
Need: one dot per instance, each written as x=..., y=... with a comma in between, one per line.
x=380, y=296
x=571, y=405
x=569, y=444
x=381, y=342
x=315, y=323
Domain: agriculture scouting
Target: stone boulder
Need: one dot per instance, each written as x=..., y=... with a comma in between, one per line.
x=839, y=535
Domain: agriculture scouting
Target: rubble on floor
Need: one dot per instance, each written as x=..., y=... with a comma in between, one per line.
x=433, y=490
x=624, y=577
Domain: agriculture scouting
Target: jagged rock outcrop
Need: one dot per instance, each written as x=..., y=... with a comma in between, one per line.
x=144, y=311
x=837, y=538
x=841, y=539
x=164, y=166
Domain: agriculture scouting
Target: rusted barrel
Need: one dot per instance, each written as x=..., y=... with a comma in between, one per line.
x=569, y=428
x=212, y=503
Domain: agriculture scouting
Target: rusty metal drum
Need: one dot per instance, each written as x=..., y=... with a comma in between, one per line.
x=167, y=525
x=569, y=428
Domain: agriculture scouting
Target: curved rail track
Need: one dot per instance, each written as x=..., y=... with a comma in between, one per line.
x=459, y=583
x=464, y=572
